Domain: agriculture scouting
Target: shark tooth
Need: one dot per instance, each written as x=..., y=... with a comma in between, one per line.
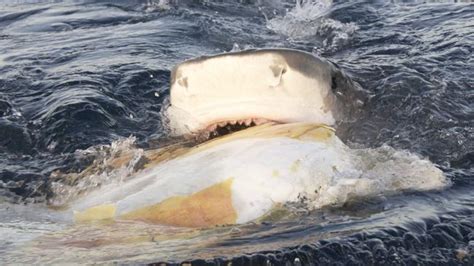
x=212, y=127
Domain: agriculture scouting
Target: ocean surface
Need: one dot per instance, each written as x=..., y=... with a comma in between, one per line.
x=80, y=80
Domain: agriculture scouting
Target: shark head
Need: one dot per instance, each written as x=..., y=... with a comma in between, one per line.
x=253, y=87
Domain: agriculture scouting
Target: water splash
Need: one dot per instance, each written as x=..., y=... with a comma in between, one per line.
x=379, y=171
x=112, y=163
x=158, y=5
x=309, y=19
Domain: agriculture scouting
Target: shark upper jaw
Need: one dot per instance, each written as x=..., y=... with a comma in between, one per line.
x=206, y=124
x=248, y=88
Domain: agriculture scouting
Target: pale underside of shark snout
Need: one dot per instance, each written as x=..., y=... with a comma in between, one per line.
x=255, y=86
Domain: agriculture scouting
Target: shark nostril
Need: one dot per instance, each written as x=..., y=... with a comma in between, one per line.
x=183, y=82
x=278, y=70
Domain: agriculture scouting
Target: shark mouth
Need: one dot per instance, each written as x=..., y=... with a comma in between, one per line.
x=227, y=127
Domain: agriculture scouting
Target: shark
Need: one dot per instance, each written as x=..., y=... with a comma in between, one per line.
x=262, y=124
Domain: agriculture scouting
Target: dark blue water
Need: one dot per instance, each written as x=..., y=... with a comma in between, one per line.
x=77, y=74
